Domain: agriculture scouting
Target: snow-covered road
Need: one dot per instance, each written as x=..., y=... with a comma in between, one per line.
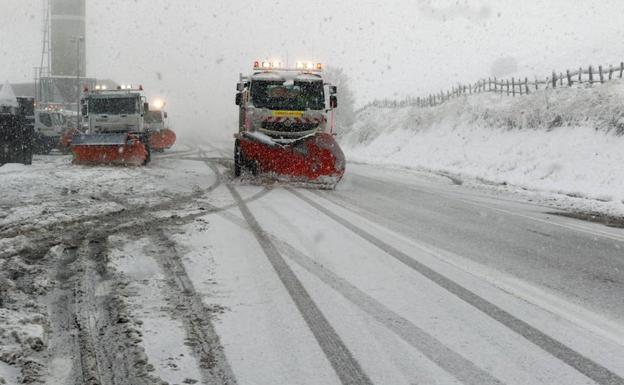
x=178, y=274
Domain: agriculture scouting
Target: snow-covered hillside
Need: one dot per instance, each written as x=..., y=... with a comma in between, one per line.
x=567, y=141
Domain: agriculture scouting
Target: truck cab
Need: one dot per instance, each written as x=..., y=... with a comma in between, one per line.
x=155, y=121
x=50, y=125
x=115, y=111
x=285, y=104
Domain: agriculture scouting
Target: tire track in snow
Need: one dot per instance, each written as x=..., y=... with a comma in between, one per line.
x=584, y=365
x=89, y=322
x=345, y=365
x=461, y=368
x=194, y=315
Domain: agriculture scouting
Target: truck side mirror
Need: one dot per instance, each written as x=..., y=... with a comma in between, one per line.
x=333, y=101
x=333, y=90
x=165, y=115
x=239, y=99
x=239, y=87
x=146, y=107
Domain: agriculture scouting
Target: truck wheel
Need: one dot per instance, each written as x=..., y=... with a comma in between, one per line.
x=252, y=166
x=28, y=156
x=238, y=159
x=148, y=155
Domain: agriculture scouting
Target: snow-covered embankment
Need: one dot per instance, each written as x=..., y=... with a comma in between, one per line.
x=568, y=141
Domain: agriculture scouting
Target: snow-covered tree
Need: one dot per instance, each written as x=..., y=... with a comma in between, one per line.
x=345, y=115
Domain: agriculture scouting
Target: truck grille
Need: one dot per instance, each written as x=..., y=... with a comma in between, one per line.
x=285, y=127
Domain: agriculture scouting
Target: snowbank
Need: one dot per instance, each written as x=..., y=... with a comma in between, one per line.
x=567, y=141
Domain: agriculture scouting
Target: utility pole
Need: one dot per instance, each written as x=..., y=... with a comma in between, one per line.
x=78, y=40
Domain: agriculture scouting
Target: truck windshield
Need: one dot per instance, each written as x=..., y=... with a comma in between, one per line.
x=59, y=119
x=153, y=117
x=113, y=106
x=277, y=95
x=45, y=119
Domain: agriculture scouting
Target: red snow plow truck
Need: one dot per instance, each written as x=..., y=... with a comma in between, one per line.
x=286, y=124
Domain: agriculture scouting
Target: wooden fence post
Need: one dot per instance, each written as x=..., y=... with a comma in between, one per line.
x=495, y=85
x=513, y=86
x=569, y=78
x=507, y=87
x=580, y=74
x=621, y=69
x=554, y=79
x=561, y=79
x=601, y=74
x=536, y=84
x=591, y=75
x=610, y=72
x=526, y=85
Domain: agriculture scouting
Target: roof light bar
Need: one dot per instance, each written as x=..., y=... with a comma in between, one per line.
x=276, y=64
x=310, y=66
x=266, y=65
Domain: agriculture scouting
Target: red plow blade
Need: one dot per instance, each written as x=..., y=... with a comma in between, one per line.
x=108, y=149
x=314, y=160
x=162, y=140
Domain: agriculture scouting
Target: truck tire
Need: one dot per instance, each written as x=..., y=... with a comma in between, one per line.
x=148, y=157
x=238, y=159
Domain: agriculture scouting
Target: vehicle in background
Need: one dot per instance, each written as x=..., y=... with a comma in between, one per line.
x=72, y=127
x=116, y=133
x=16, y=128
x=50, y=125
x=286, y=124
x=161, y=136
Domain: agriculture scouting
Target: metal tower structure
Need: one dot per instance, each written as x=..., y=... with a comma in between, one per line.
x=62, y=70
x=43, y=71
x=67, y=24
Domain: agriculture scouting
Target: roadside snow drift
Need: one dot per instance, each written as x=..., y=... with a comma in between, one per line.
x=567, y=141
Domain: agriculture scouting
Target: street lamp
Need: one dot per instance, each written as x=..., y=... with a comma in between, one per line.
x=78, y=40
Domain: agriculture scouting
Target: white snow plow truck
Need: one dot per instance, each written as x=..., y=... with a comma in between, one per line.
x=116, y=132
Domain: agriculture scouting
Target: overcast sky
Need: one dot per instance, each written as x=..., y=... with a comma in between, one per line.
x=191, y=51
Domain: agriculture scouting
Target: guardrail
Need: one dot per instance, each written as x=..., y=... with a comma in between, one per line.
x=511, y=87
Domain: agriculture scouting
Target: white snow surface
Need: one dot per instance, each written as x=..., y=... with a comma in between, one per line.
x=564, y=141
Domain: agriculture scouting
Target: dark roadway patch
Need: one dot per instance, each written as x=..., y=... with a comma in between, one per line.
x=604, y=219
x=539, y=233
